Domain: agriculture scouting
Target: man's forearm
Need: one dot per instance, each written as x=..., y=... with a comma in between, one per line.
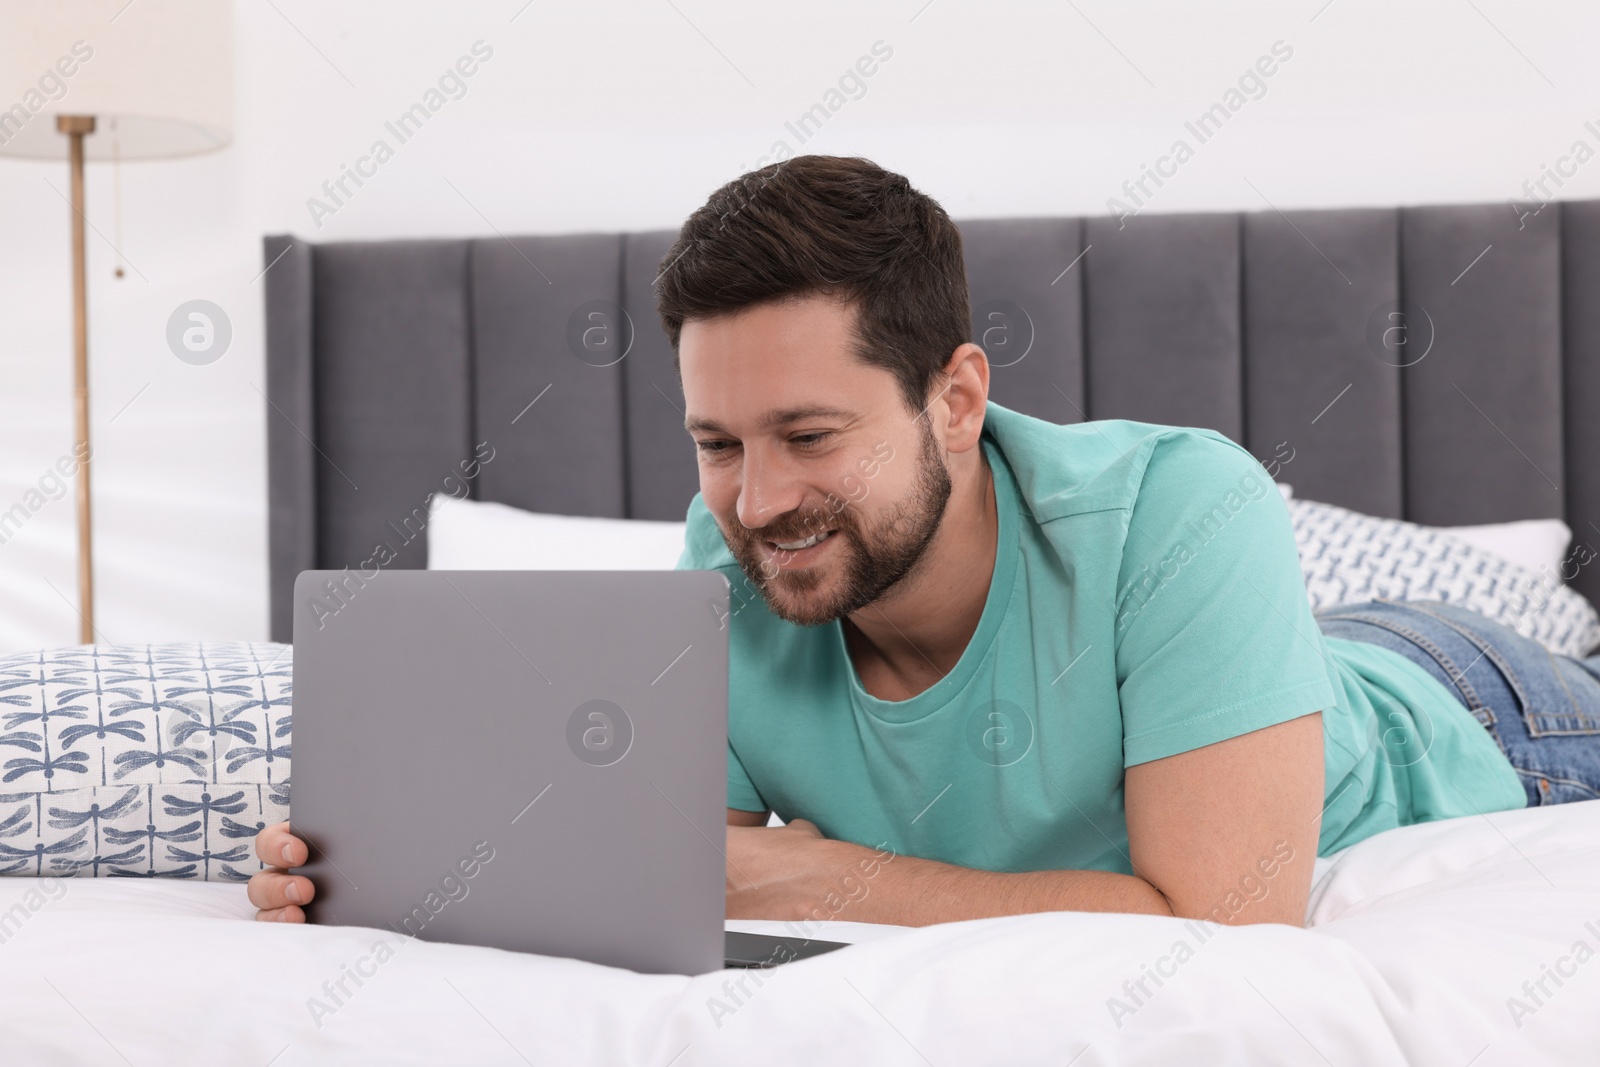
x=909, y=891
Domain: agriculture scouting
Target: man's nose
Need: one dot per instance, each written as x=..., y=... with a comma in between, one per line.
x=770, y=489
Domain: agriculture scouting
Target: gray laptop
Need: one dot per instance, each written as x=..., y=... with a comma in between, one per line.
x=532, y=760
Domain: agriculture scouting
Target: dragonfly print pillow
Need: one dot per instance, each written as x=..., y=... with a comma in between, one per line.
x=142, y=761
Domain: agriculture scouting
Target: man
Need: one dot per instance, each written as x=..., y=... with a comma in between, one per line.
x=981, y=663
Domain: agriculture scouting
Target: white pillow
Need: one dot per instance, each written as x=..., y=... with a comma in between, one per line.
x=1537, y=544
x=477, y=535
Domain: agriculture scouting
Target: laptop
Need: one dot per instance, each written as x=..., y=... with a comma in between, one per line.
x=529, y=760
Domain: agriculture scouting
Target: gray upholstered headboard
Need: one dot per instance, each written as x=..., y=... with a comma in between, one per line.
x=387, y=362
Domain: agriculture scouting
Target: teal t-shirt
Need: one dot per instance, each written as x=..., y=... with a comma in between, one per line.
x=1146, y=600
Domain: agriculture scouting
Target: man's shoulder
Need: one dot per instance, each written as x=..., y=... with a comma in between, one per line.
x=1102, y=465
x=703, y=546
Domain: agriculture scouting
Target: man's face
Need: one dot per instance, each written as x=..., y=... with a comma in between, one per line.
x=795, y=437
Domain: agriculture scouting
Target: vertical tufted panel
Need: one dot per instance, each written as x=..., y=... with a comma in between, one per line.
x=292, y=460
x=1580, y=301
x=1483, y=408
x=1027, y=312
x=1162, y=310
x=1319, y=399
x=663, y=475
x=393, y=393
x=549, y=372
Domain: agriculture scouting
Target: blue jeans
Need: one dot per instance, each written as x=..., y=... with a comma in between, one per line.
x=1542, y=708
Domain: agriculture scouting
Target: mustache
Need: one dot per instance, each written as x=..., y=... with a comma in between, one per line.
x=817, y=525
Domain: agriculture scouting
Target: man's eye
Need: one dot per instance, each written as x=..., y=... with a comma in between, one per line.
x=811, y=440
x=715, y=448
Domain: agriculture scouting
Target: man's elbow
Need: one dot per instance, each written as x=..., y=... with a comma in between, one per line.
x=1253, y=901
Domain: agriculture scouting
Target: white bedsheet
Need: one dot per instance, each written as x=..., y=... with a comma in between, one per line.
x=1420, y=943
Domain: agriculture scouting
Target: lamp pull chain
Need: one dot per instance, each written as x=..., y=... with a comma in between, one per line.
x=116, y=195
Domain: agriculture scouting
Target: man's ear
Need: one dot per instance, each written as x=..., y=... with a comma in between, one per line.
x=960, y=398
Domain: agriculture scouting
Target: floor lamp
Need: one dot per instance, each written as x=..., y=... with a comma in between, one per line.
x=110, y=80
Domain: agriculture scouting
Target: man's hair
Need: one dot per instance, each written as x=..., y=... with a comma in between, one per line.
x=836, y=226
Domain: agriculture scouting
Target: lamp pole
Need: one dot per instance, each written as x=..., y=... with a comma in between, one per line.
x=76, y=127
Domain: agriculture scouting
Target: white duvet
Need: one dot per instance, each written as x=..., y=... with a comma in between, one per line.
x=1472, y=941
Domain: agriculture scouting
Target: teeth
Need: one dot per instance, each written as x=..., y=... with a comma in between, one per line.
x=795, y=546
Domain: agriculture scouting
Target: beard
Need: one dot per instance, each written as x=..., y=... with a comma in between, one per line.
x=873, y=559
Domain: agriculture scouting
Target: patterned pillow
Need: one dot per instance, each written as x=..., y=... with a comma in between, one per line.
x=1349, y=557
x=142, y=760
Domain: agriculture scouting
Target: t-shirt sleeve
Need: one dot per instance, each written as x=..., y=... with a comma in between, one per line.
x=703, y=546
x=688, y=559
x=1214, y=632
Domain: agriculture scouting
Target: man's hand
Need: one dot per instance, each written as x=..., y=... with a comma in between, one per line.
x=276, y=892
x=782, y=872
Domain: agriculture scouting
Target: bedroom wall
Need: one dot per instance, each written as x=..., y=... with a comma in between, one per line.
x=624, y=115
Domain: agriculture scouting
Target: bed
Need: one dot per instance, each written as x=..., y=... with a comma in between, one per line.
x=392, y=364
x=1451, y=943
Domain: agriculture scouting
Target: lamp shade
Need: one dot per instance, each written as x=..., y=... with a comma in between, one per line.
x=157, y=75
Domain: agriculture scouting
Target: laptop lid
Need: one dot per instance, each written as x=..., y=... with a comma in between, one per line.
x=531, y=760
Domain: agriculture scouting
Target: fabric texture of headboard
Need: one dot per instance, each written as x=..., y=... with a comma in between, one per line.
x=1428, y=363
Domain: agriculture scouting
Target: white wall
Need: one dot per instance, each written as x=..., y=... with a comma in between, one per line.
x=624, y=115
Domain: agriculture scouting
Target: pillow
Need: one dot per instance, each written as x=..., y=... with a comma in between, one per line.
x=1349, y=557
x=1538, y=544
x=142, y=760
x=475, y=535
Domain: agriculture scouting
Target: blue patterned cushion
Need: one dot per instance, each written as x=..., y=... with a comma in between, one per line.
x=143, y=760
x=1348, y=557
